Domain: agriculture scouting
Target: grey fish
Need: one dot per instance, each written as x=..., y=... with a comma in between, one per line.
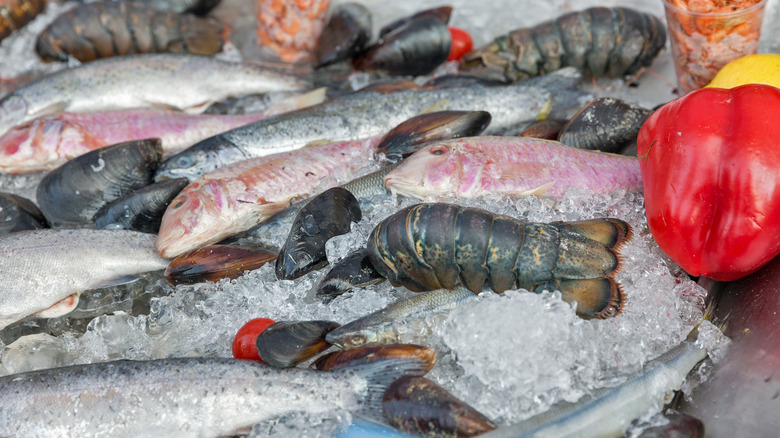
x=378, y=327
x=608, y=412
x=41, y=268
x=167, y=81
x=198, y=397
x=370, y=114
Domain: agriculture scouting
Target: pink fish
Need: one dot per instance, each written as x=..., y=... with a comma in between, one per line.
x=49, y=141
x=237, y=197
x=476, y=166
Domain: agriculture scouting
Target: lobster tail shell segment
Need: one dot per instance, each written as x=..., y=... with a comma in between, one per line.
x=437, y=245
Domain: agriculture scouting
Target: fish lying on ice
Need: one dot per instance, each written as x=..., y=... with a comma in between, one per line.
x=41, y=268
x=203, y=397
x=368, y=114
x=170, y=81
x=477, y=166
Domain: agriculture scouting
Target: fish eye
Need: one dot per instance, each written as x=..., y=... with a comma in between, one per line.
x=357, y=339
x=178, y=203
x=439, y=150
x=183, y=162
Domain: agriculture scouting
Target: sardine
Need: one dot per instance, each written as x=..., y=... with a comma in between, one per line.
x=203, y=397
x=476, y=166
x=608, y=412
x=369, y=114
x=40, y=268
x=183, y=82
x=379, y=327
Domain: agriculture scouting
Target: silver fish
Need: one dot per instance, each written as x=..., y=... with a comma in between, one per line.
x=378, y=327
x=371, y=114
x=44, y=268
x=198, y=397
x=608, y=412
x=184, y=82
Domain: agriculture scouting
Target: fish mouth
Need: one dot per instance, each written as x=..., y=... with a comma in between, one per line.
x=401, y=187
x=168, y=242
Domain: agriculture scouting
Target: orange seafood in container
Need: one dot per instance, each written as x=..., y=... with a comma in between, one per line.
x=290, y=28
x=708, y=34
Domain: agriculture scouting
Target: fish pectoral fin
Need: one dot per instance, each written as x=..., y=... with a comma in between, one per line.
x=318, y=143
x=60, y=308
x=539, y=191
x=116, y=281
x=55, y=108
x=311, y=98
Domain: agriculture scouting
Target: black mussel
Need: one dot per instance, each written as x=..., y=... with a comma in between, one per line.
x=71, y=194
x=19, y=214
x=441, y=13
x=373, y=353
x=215, y=262
x=354, y=270
x=285, y=344
x=415, y=48
x=410, y=135
x=141, y=210
x=347, y=31
x=606, y=124
x=328, y=214
x=460, y=80
x=419, y=406
x=544, y=129
x=679, y=426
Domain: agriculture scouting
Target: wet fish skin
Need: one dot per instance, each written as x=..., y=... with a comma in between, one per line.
x=476, y=166
x=49, y=141
x=183, y=82
x=610, y=411
x=199, y=397
x=42, y=267
x=370, y=114
x=378, y=327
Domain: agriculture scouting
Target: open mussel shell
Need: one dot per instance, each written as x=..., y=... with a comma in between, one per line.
x=353, y=271
x=347, y=31
x=215, y=262
x=606, y=124
x=19, y=214
x=411, y=135
x=326, y=215
x=141, y=210
x=442, y=13
x=416, y=48
x=419, y=406
x=374, y=353
x=285, y=344
x=71, y=194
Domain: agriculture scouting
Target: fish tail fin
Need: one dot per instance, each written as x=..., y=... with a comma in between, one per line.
x=379, y=376
x=714, y=290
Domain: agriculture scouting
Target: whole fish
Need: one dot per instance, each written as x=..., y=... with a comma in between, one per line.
x=608, y=412
x=170, y=81
x=477, y=166
x=237, y=197
x=379, y=327
x=49, y=141
x=199, y=7
x=369, y=114
x=199, y=397
x=40, y=268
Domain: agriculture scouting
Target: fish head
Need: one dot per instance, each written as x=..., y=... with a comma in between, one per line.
x=432, y=171
x=354, y=336
x=200, y=159
x=196, y=217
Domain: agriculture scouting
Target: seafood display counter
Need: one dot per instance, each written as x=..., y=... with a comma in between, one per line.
x=609, y=314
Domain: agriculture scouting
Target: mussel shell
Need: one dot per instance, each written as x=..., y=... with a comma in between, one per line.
x=285, y=344
x=679, y=426
x=544, y=129
x=415, y=48
x=354, y=270
x=347, y=31
x=419, y=406
x=215, y=262
x=373, y=353
x=411, y=135
x=606, y=124
x=441, y=13
x=141, y=210
x=71, y=194
x=19, y=214
x=326, y=215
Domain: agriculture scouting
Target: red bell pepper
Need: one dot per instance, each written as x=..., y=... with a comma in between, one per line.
x=710, y=164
